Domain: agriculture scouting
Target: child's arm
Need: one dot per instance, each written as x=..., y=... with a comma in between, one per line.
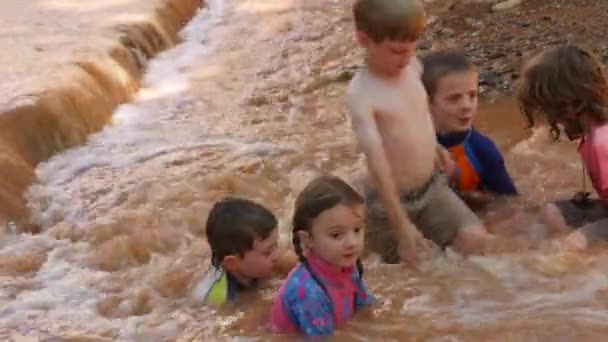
x=495, y=176
x=370, y=142
x=362, y=297
x=601, y=160
x=477, y=198
x=445, y=163
x=309, y=310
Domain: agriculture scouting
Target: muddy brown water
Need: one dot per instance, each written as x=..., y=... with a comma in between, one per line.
x=123, y=216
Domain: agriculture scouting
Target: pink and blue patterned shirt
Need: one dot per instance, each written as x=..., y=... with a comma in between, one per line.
x=302, y=305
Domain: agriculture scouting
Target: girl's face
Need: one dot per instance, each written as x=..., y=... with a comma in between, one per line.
x=337, y=234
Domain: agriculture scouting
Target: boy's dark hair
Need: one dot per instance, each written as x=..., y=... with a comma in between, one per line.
x=438, y=65
x=563, y=83
x=389, y=19
x=234, y=224
x=321, y=194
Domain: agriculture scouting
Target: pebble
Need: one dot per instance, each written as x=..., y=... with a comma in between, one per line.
x=505, y=5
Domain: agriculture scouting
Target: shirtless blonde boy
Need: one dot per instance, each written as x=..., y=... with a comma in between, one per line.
x=394, y=129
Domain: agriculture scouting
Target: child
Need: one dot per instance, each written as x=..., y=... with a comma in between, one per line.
x=567, y=84
x=243, y=238
x=451, y=82
x=394, y=129
x=327, y=286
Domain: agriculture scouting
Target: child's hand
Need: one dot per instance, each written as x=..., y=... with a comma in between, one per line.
x=449, y=167
x=445, y=163
x=412, y=247
x=477, y=198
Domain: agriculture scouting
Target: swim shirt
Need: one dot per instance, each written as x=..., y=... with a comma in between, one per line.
x=219, y=287
x=302, y=306
x=593, y=150
x=479, y=164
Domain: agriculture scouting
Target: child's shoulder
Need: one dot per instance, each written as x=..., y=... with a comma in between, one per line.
x=485, y=148
x=366, y=90
x=601, y=135
x=300, y=285
x=359, y=82
x=212, y=288
x=481, y=140
x=358, y=94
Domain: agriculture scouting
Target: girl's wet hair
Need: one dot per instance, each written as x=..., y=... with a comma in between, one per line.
x=563, y=83
x=321, y=194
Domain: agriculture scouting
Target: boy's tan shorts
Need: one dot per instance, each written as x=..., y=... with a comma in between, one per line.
x=435, y=210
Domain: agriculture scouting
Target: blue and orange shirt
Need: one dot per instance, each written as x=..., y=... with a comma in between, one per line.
x=479, y=164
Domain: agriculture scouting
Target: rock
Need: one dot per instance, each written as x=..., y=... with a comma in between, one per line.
x=505, y=5
x=447, y=32
x=489, y=78
x=258, y=101
x=424, y=45
x=496, y=55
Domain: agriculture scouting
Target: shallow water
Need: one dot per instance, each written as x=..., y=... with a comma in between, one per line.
x=248, y=105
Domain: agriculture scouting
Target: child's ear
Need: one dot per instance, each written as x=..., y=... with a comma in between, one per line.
x=305, y=239
x=231, y=263
x=363, y=39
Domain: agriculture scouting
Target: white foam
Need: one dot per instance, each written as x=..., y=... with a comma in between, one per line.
x=155, y=124
x=64, y=288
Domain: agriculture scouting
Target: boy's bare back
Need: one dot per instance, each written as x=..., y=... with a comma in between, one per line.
x=395, y=115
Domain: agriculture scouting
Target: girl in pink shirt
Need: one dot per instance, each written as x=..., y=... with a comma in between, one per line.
x=327, y=287
x=567, y=84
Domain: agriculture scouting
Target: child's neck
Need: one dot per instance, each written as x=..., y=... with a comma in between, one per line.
x=447, y=132
x=589, y=124
x=241, y=279
x=317, y=261
x=377, y=71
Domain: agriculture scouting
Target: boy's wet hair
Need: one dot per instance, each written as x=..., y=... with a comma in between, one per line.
x=389, y=19
x=563, y=83
x=234, y=224
x=438, y=65
x=321, y=194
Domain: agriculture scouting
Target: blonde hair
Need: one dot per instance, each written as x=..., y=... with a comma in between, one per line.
x=389, y=19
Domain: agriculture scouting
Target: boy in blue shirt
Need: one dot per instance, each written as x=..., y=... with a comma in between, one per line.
x=451, y=82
